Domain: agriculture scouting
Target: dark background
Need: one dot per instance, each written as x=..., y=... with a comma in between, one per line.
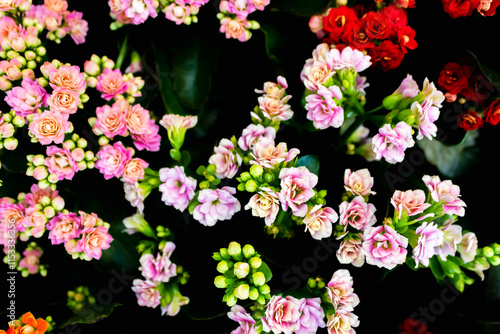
x=386, y=300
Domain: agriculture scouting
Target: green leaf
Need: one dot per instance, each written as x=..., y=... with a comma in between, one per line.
x=436, y=269
x=300, y=7
x=91, y=314
x=492, y=76
x=266, y=271
x=273, y=41
x=451, y=160
x=311, y=162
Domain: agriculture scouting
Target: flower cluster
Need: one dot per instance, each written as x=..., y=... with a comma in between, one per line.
x=29, y=324
x=465, y=8
x=384, y=33
x=233, y=17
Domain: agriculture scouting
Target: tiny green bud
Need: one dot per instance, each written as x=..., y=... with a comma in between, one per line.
x=256, y=171
x=220, y=282
x=251, y=186
x=242, y=291
x=223, y=252
x=222, y=267
x=211, y=168
x=494, y=260
x=241, y=269
x=255, y=262
x=264, y=289
x=268, y=177
x=234, y=250
x=259, y=279
x=254, y=293
x=488, y=251
x=248, y=251
x=216, y=256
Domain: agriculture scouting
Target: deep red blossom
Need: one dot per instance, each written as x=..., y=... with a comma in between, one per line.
x=492, y=113
x=488, y=8
x=470, y=120
x=479, y=90
x=386, y=55
x=459, y=8
x=377, y=25
x=355, y=35
x=395, y=15
x=336, y=20
x=413, y=326
x=454, y=77
x=406, y=38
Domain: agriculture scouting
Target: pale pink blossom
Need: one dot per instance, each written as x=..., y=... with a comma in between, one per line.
x=226, y=159
x=178, y=11
x=468, y=247
x=316, y=25
x=452, y=235
x=340, y=291
x=64, y=227
x=429, y=237
x=316, y=73
x=351, y=252
x=384, y=247
x=111, y=160
x=252, y=134
x=244, y=319
x=110, y=83
x=177, y=126
x=357, y=213
x=274, y=89
x=391, y=143
x=274, y=108
x=150, y=140
x=322, y=108
x=11, y=215
x=297, y=187
x=319, y=221
x=6, y=129
x=93, y=241
x=407, y=88
x=266, y=154
x=240, y=8
x=11, y=69
x=134, y=195
x=260, y=4
x=264, y=204
x=431, y=93
x=348, y=58
x=426, y=114
x=159, y=268
x=177, y=188
x=27, y=98
x=342, y=322
x=282, y=315
x=215, y=205
x=89, y=219
x=49, y=127
x=8, y=5
x=311, y=316
x=447, y=193
x=139, y=10
x=147, y=293
x=359, y=182
x=235, y=28
x=76, y=26
x=410, y=202
x=67, y=76
x=61, y=162
x=64, y=101
x=134, y=170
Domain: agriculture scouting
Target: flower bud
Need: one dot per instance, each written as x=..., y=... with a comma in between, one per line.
x=268, y=177
x=40, y=173
x=248, y=251
x=256, y=171
x=264, y=289
x=234, y=250
x=242, y=291
x=259, y=279
x=241, y=269
x=390, y=102
x=254, y=293
x=255, y=262
x=18, y=121
x=49, y=212
x=10, y=143
x=52, y=178
x=211, y=168
x=220, y=282
x=58, y=203
x=488, y=251
x=251, y=186
x=245, y=176
x=222, y=267
x=231, y=300
x=224, y=254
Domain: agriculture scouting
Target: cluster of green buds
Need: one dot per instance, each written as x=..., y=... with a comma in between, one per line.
x=243, y=274
x=80, y=299
x=256, y=178
x=9, y=123
x=208, y=172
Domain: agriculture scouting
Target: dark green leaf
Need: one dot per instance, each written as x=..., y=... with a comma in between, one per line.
x=273, y=41
x=310, y=161
x=266, y=271
x=300, y=7
x=91, y=314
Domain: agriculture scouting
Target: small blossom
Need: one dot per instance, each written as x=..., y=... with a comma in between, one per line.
x=342, y=322
x=266, y=154
x=447, y=193
x=282, y=315
x=274, y=108
x=235, y=28
x=49, y=127
x=340, y=291
x=265, y=204
x=384, y=247
x=150, y=140
x=111, y=160
x=244, y=319
x=297, y=185
x=319, y=221
x=429, y=237
x=351, y=251
x=410, y=202
x=61, y=162
x=110, y=83
x=177, y=189
x=159, y=268
x=452, y=235
x=64, y=227
x=146, y=292
x=110, y=121
x=64, y=101
x=357, y=213
x=67, y=76
x=134, y=170
x=359, y=182
x=216, y=205
x=252, y=134
x=139, y=10
x=27, y=98
x=468, y=247
x=322, y=108
x=93, y=241
x=391, y=143
x=176, y=127
x=226, y=159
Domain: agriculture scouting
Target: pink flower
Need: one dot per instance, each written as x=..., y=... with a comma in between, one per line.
x=134, y=170
x=235, y=28
x=36, y=194
x=351, y=251
x=137, y=119
x=264, y=204
x=426, y=115
x=216, y=205
x=9, y=5
x=359, y=182
x=139, y=10
x=11, y=216
x=31, y=259
x=64, y=101
x=407, y=88
x=178, y=11
x=311, y=315
x=177, y=189
x=342, y=322
x=274, y=89
x=240, y=8
x=149, y=140
x=226, y=159
x=429, y=237
x=176, y=126
x=59, y=161
x=34, y=222
x=447, y=193
x=282, y=315
x=159, y=268
x=266, y=154
x=322, y=108
x=297, y=187
x=134, y=195
x=348, y=58
x=49, y=127
x=244, y=319
x=64, y=227
x=430, y=92
x=67, y=76
x=146, y=292
x=252, y=134
x=93, y=241
x=111, y=160
x=27, y=98
x=110, y=83
x=468, y=247
x=316, y=73
x=452, y=235
x=384, y=247
x=410, y=202
x=357, y=213
x=391, y=143
x=274, y=108
x=319, y=221
x=340, y=291
x=76, y=26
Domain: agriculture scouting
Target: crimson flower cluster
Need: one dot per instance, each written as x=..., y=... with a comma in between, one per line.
x=462, y=8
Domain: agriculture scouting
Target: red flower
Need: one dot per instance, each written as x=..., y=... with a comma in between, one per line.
x=459, y=8
x=395, y=15
x=355, y=35
x=336, y=20
x=377, y=25
x=470, y=121
x=479, y=89
x=492, y=113
x=386, y=55
x=406, y=38
x=454, y=77
x=488, y=7
x=412, y=326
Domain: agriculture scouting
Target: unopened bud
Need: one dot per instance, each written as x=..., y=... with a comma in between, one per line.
x=234, y=250
x=242, y=291
x=488, y=251
x=255, y=262
x=220, y=282
x=251, y=186
x=259, y=279
x=256, y=171
x=241, y=269
x=222, y=267
x=248, y=251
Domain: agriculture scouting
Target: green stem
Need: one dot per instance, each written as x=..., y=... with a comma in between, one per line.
x=123, y=52
x=375, y=109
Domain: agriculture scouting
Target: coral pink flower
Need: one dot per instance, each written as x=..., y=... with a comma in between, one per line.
x=35, y=222
x=159, y=268
x=274, y=108
x=31, y=259
x=410, y=202
x=452, y=235
x=468, y=247
x=177, y=189
x=177, y=11
x=274, y=89
x=93, y=241
x=67, y=76
x=237, y=7
x=322, y=107
x=76, y=26
x=357, y=213
x=137, y=119
x=252, y=134
x=8, y=5
x=447, y=193
x=244, y=319
x=235, y=28
x=110, y=83
x=134, y=170
x=319, y=221
x=64, y=101
x=265, y=204
x=342, y=322
x=359, y=182
x=27, y=98
x=147, y=293
x=340, y=290
x=216, y=205
x=36, y=194
x=351, y=251
x=429, y=237
x=384, y=247
x=11, y=69
x=11, y=216
x=297, y=187
x=391, y=143
x=226, y=159
x=139, y=10
x=49, y=127
x=64, y=227
x=149, y=140
x=59, y=161
x=266, y=154
x=282, y=315
x=111, y=160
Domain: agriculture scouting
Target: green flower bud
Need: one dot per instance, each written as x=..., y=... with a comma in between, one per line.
x=255, y=262
x=242, y=291
x=251, y=186
x=49, y=212
x=231, y=300
x=248, y=251
x=220, y=282
x=488, y=251
x=254, y=293
x=241, y=269
x=216, y=256
x=245, y=176
x=259, y=279
x=256, y=171
x=264, y=289
x=494, y=260
x=261, y=300
x=211, y=168
x=268, y=177
x=223, y=252
x=234, y=250
x=222, y=266
x=496, y=248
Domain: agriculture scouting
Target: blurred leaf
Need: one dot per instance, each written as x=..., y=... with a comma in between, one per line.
x=274, y=40
x=310, y=161
x=91, y=314
x=492, y=76
x=451, y=160
x=264, y=268
x=300, y=7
